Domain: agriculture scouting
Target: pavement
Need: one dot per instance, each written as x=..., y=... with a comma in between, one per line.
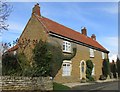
x=88, y=83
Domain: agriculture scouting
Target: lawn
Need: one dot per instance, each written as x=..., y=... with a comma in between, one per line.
x=58, y=86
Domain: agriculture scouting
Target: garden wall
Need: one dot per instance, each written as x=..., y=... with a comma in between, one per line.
x=25, y=83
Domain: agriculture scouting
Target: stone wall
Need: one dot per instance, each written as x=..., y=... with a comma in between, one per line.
x=25, y=83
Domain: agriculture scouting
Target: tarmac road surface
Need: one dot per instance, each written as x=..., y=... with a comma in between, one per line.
x=111, y=86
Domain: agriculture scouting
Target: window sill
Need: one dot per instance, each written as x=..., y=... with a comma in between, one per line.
x=69, y=52
x=66, y=75
x=91, y=57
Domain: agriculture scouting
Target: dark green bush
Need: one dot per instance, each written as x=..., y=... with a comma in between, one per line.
x=10, y=65
x=23, y=62
x=42, y=57
x=106, y=67
x=118, y=66
x=113, y=67
x=89, y=67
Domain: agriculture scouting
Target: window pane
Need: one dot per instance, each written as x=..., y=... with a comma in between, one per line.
x=63, y=47
x=82, y=67
x=63, y=43
x=68, y=64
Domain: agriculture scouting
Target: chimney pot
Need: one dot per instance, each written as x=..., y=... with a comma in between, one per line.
x=36, y=10
x=93, y=37
x=84, y=31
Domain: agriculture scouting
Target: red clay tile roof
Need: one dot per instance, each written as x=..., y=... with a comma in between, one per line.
x=13, y=48
x=59, y=29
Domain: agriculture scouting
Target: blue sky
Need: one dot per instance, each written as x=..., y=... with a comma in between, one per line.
x=99, y=18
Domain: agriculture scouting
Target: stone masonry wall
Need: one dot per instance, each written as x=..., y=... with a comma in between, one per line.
x=25, y=83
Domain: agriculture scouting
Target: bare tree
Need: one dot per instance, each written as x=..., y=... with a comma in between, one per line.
x=5, y=47
x=5, y=10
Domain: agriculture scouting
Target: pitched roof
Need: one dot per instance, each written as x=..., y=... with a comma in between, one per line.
x=62, y=30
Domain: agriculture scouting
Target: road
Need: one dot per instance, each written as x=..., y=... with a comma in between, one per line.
x=113, y=86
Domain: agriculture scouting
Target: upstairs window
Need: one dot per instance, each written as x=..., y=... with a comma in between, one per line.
x=66, y=46
x=91, y=52
x=103, y=55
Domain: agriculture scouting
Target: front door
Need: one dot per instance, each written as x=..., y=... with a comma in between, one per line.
x=82, y=69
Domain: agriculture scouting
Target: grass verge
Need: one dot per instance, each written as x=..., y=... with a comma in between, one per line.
x=58, y=86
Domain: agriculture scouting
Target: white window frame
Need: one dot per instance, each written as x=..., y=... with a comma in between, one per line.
x=91, y=52
x=66, y=70
x=93, y=70
x=66, y=46
x=103, y=55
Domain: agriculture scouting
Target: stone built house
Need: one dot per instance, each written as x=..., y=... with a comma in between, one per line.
x=39, y=27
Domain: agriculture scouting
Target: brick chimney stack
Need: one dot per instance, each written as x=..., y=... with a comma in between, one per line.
x=36, y=10
x=84, y=31
x=93, y=37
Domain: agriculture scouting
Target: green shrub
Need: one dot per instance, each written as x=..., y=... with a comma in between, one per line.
x=10, y=65
x=89, y=67
x=118, y=66
x=42, y=57
x=113, y=69
x=106, y=67
x=22, y=60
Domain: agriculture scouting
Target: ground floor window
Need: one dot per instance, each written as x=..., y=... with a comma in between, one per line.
x=66, y=68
